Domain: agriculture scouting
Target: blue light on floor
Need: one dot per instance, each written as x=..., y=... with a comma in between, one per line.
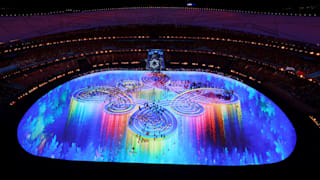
x=162, y=118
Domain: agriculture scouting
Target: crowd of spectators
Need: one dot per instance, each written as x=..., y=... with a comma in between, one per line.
x=43, y=74
x=272, y=55
x=171, y=30
x=160, y=37
x=115, y=57
x=295, y=87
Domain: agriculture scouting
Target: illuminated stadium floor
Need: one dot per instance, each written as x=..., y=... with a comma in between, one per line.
x=162, y=118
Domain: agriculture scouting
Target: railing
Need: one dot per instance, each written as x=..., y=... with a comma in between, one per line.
x=276, y=45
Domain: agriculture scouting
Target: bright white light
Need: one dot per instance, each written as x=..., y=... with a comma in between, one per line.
x=190, y=4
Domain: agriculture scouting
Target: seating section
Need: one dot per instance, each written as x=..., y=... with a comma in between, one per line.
x=42, y=74
x=42, y=58
x=61, y=44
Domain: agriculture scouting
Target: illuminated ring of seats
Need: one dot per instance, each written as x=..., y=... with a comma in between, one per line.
x=155, y=79
x=152, y=125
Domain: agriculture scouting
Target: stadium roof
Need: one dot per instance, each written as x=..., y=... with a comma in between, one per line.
x=305, y=29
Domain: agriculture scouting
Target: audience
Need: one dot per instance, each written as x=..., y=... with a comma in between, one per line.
x=118, y=39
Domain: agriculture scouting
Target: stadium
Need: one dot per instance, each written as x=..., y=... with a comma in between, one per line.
x=186, y=90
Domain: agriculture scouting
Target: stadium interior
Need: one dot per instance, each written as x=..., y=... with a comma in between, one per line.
x=37, y=58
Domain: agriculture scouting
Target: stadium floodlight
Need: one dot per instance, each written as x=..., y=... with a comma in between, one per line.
x=190, y=4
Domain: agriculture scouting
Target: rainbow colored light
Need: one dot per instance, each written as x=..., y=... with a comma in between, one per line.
x=140, y=117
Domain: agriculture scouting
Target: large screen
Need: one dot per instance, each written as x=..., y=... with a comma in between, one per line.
x=163, y=117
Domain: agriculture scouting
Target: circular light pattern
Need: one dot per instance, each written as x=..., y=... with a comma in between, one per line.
x=187, y=108
x=187, y=103
x=208, y=96
x=98, y=93
x=155, y=79
x=117, y=101
x=118, y=107
x=128, y=85
x=148, y=123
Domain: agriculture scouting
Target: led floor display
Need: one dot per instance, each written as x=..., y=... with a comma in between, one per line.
x=163, y=118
